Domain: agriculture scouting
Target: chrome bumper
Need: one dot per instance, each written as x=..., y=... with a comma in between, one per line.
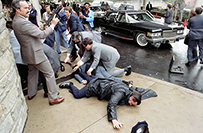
x=163, y=40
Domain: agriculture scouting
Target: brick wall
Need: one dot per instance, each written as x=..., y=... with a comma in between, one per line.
x=13, y=108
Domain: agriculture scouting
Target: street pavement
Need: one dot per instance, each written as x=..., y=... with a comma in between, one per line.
x=175, y=110
x=154, y=61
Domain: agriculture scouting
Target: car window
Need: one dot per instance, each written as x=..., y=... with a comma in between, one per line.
x=112, y=16
x=95, y=8
x=133, y=18
x=122, y=18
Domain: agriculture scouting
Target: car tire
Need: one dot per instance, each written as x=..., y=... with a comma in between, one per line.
x=141, y=39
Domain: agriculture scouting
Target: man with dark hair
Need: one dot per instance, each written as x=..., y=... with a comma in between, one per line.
x=76, y=39
x=32, y=52
x=116, y=92
x=104, y=54
x=87, y=17
x=195, y=36
x=168, y=16
x=73, y=21
x=149, y=7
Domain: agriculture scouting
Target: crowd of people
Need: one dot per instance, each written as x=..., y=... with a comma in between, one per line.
x=171, y=11
x=37, y=60
x=34, y=49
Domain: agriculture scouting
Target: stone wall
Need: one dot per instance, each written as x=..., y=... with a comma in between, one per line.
x=13, y=108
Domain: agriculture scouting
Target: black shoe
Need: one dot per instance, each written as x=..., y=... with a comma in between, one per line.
x=62, y=68
x=56, y=75
x=130, y=82
x=45, y=95
x=188, y=64
x=31, y=97
x=128, y=70
x=65, y=85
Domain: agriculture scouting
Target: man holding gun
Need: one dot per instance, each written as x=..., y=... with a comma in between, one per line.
x=32, y=52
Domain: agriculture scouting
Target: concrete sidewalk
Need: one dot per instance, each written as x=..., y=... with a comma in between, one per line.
x=175, y=110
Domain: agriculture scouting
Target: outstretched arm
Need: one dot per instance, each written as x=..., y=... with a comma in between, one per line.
x=111, y=109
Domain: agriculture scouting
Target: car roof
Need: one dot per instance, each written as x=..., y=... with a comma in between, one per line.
x=131, y=11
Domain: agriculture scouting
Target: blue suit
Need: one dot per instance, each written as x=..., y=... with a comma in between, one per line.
x=33, y=15
x=74, y=24
x=195, y=36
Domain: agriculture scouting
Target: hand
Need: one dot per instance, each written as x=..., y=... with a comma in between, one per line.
x=42, y=27
x=117, y=124
x=54, y=21
x=80, y=15
x=67, y=59
x=75, y=68
x=89, y=73
x=78, y=63
x=67, y=33
x=84, y=82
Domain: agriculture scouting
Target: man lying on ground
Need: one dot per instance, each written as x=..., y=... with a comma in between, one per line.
x=116, y=92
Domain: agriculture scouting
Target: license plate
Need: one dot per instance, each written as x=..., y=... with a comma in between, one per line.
x=172, y=41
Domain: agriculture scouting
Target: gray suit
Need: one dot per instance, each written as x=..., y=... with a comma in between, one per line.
x=174, y=11
x=108, y=57
x=95, y=36
x=195, y=36
x=168, y=17
x=32, y=53
x=181, y=11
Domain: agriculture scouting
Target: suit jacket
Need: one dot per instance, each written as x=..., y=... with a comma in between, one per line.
x=74, y=24
x=95, y=36
x=168, y=17
x=52, y=56
x=149, y=7
x=104, y=53
x=196, y=27
x=29, y=38
x=33, y=15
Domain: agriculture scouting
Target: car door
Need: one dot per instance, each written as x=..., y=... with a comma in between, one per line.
x=122, y=25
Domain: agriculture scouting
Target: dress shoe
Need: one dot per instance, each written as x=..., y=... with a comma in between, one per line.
x=45, y=95
x=130, y=82
x=201, y=61
x=128, y=71
x=31, y=97
x=188, y=64
x=73, y=58
x=59, y=52
x=62, y=68
x=56, y=101
x=65, y=85
x=56, y=75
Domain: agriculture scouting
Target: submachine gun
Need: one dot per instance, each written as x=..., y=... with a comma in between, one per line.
x=55, y=12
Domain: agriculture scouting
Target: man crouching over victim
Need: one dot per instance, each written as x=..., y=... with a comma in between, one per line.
x=116, y=92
